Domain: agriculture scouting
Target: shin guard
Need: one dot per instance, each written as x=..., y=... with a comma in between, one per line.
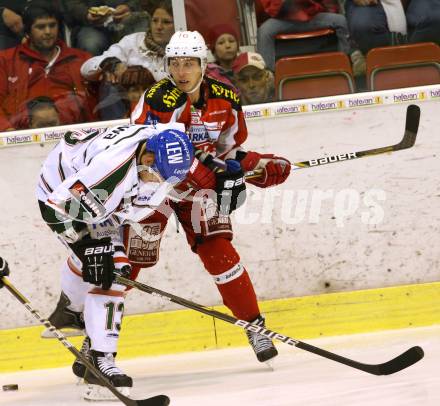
x=223, y=263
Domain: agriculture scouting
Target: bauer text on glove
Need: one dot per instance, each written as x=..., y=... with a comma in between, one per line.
x=230, y=187
x=97, y=261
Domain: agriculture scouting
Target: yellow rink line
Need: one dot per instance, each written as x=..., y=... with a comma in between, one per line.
x=186, y=330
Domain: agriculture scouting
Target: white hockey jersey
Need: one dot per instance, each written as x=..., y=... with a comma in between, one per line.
x=88, y=176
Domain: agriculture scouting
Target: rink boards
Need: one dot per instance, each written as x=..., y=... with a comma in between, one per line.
x=185, y=330
x=317, y=242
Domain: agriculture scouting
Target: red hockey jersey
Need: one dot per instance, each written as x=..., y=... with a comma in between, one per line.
x=215, y=124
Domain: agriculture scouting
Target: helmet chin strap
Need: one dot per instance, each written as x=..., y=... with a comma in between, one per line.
x=194, y=89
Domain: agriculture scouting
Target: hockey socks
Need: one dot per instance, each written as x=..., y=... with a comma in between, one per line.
x=222, y=261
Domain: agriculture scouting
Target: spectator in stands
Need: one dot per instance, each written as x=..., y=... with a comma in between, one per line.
x=305, y=15
x=223, y=42
x=11, y=20
x=11, y=23
x=96, y=24
x=42, y=66
x=42, y=112
x=255, y=82
x=376, y=23
x=133, y=64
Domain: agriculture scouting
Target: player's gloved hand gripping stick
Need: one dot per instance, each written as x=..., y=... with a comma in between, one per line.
x=4, y=271
x=226, y=178
x=97, y=257
x=230, y=187
x=97, y=260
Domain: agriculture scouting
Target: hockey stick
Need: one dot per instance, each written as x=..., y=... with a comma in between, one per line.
x=408, y=140
x=160, y=400
x=402, y=361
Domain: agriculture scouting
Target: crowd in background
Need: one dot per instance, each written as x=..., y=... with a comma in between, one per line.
x=116, y=50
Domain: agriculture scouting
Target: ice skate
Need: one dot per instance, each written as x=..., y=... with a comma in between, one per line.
x=105, y=363
x=71, y=323
x=263, y=346
x=78, y=368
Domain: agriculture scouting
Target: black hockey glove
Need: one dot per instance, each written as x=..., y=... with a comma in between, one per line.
x=97, y=261
x=230, y=187
x=4, y=270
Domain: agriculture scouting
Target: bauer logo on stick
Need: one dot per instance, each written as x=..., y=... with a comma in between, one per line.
x=333, y=158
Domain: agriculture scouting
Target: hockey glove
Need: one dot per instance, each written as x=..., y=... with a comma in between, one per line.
x=200, y=176
x=97, y=261
x=4, y=270
x=230, y=187
x=275, y=169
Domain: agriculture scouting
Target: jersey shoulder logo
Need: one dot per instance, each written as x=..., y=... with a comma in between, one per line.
x=223, y=91
x=80, y=136
x=88, y=201
x=164, y=96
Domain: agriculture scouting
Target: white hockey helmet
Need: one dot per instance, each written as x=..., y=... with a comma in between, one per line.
x=188, y=44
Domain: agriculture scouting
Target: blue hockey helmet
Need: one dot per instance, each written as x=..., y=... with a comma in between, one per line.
x=173, y=154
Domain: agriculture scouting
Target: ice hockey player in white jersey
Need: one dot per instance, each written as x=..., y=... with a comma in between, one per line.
x=87, y=187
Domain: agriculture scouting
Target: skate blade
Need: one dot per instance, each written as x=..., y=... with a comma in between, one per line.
x=99, y=393
x=68, y=332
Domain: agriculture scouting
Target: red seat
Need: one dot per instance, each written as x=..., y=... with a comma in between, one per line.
x=202, y=15
x=307, y=42
x=308, y=76
x=306, y=34
x=403, y=66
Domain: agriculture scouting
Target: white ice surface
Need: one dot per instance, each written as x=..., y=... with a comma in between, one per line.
x=233, y=377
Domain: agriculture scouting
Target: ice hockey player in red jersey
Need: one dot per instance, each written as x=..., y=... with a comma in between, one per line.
x=212, y=115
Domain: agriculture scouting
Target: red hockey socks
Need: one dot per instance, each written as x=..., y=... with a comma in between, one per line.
x=223, y=263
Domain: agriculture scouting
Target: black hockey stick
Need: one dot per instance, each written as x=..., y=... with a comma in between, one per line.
x=402, y=361
x=408, y=140
x=160, y=400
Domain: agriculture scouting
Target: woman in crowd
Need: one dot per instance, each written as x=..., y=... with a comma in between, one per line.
x=128, y=67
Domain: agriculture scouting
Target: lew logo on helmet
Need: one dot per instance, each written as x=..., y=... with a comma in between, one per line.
x=87, y=200
x=174, y=152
